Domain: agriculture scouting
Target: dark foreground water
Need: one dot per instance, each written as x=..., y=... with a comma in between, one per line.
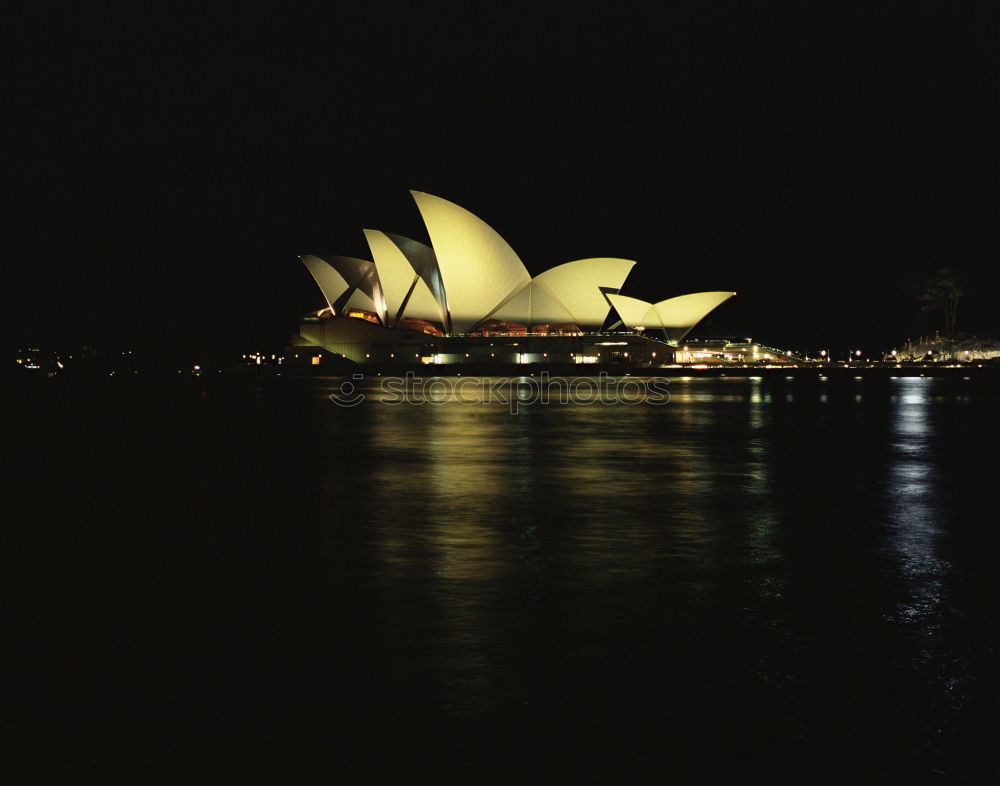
x=766, y=580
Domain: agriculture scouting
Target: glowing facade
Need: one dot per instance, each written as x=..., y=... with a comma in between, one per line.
x=407, y=294
x=675, y=316
x=347, y=282
x=573, y=293
x=470, y=282
x=478, y=269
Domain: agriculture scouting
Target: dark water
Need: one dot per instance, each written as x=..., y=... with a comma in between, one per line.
x=766, y=580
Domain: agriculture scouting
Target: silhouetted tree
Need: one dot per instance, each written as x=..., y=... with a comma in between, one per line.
x=942, y=293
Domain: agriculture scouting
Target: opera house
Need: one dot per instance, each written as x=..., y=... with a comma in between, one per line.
x=468, y=298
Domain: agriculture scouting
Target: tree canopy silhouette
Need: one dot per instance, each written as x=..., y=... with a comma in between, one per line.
x=942, y=293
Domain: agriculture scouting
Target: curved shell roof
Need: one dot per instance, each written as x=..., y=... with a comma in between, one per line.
x=581, y=285
x=676, y=315
x=427, y=300
x=687, y=311
x=572, y=293
x=347, y=281
x=471, y=274
x=534, y=306
x=478, y=269
x=330, y=282
x=636, y=313
x=395, y=274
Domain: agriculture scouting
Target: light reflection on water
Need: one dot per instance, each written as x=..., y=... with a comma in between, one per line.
x=916, y=516
x=565, y=499
x=507, y=548
x=764, y=580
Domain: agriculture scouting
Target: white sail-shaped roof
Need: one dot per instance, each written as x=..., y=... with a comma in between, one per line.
x=347, y=282
x=360, y=300
x=690, y=309
x=478, y=268
x=395, y=274
x=676, y=315
x=517, y=309
x=406, y=292
x=421, y=304
x=636, y=313
x=547, y=309
x=330, y=282
x=578, y=286
x=427, y=300
x=534, y=306
x=472, y=275
x=679, y=314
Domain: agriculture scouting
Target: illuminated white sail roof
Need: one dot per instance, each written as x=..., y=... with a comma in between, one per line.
x=578, y=286
x=676, y=315
x=688, y=310
x=421, y=304
x=636, y=313
x=360, y=300
x=406, y=292
x=478, y=269
x=679, y=314
x=517, y=309
x=330, y=282
x=427, y=300
x=534, y=306
x=472, y=275
x=395, y=274
x=571, y=293
x=347, y=282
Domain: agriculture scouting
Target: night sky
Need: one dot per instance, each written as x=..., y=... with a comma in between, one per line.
x=167, y=162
